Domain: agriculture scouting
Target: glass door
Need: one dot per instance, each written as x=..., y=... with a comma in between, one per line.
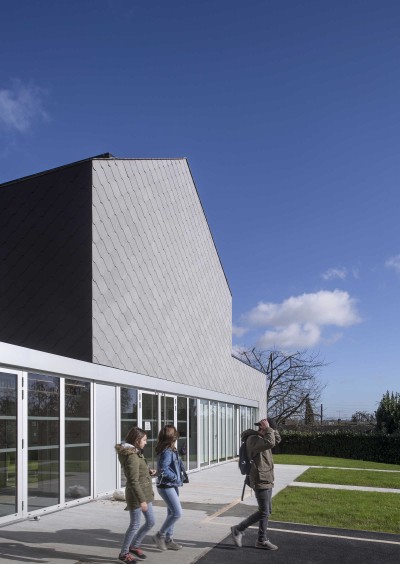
x=10, y=445
x=149, y=423
x=168, y=409
x=43, y=441
x=156, y=411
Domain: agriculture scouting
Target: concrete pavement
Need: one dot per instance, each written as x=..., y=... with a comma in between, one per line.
x=93, y=532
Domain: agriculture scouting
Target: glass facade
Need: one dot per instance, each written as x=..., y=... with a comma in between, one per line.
x=182, y=426
x=77, y=439
x=192, y=434
x=8, y=444
x=53, y=420
x=43, y=441
x=150, y=425
x=129, y=410
x=204, y=433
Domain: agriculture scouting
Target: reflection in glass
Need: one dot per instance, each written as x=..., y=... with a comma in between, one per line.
x=167, y=411
x=204, y=429
x=214, y=431
x=222, y=431
x=8, y=443
x=229, y=431
x=77, y=439
x=129, y=414
x=150, y=425
x=43, y=441
x=192, y=433
x=182, y=429
x=128, y=410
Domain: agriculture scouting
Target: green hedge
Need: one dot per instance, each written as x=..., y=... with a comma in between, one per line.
x=342, y=444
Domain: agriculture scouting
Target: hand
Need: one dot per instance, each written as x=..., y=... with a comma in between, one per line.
x=143, y=506
x=152, y=472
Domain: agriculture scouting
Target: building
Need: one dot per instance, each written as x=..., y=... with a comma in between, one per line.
x=114, y=311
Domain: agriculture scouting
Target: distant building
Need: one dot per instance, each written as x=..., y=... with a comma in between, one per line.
x=114, y=311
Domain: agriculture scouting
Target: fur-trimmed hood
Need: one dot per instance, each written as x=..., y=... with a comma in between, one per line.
x=127, y=448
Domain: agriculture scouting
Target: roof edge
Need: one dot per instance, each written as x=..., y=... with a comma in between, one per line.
x=23, y=178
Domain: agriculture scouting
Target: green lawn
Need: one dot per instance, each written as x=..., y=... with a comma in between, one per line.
x=331, y=461
x=368, y=478
x=368, y=511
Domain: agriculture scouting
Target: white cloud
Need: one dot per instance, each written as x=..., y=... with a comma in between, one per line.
x=294, y=335
x=238, y=331
x=333, y=273
x=298, y=321
x=21, y=106
x=322, y=308
x=394, y=262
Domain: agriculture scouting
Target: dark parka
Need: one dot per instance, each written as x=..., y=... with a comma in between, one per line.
x=259, y=450
x=138, y=486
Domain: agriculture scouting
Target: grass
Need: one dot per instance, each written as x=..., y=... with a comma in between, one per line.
x=368, y=478
x=367, y=511
x=331, y=461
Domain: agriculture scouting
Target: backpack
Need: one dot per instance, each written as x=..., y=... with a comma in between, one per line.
x=244, y=465
x=244, y=460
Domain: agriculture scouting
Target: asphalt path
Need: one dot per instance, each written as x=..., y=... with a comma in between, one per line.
x=302, y=544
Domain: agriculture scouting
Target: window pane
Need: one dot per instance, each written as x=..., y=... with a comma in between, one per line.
x=77, y=472
x=204, y=429
x=229, y=431
x=43, y=441
x=182, y=429
x=192, y=433
x=77, y=439
x=8, y=443
x=222, y=431
x=214, y=431
x=128, y=410
x=43, y=478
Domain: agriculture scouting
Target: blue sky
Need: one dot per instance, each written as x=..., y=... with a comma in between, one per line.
x=289, y=114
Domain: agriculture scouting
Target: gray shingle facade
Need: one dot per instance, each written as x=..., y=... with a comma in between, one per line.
x=112, y=261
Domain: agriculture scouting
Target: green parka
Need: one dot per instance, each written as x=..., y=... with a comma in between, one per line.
x=138, y=486
x=259, y=450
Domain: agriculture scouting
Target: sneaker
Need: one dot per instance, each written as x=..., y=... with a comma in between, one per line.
x=138, y=552
x=159, y=541
x=237, y=536
x=172, y=545
x=127, y=558
x=266, y=544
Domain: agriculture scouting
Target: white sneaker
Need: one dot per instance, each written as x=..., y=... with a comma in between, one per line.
x=237, y=536
x=267, y=545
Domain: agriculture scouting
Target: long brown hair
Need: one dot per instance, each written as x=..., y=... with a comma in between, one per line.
x=134, y=436
x=166, y=438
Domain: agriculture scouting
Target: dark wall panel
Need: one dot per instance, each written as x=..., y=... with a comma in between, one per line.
x=46, y=262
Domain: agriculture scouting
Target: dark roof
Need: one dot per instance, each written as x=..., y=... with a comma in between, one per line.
x=102, y=156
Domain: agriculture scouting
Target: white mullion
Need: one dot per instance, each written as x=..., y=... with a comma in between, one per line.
x=94, y=441
x=118, y=428
x=22, y=453
x=91, y=419
x=62, y=441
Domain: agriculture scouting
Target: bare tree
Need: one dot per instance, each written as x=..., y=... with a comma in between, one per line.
x=363, y=417
x=292, y=380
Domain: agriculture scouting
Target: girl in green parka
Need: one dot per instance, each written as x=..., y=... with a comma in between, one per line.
x=139, y=494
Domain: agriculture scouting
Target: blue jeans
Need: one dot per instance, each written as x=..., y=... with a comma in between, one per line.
x=264, y=500
x=134, y=535
x=174, y=511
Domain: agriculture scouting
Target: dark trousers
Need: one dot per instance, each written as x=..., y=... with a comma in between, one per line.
x=264, y=500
